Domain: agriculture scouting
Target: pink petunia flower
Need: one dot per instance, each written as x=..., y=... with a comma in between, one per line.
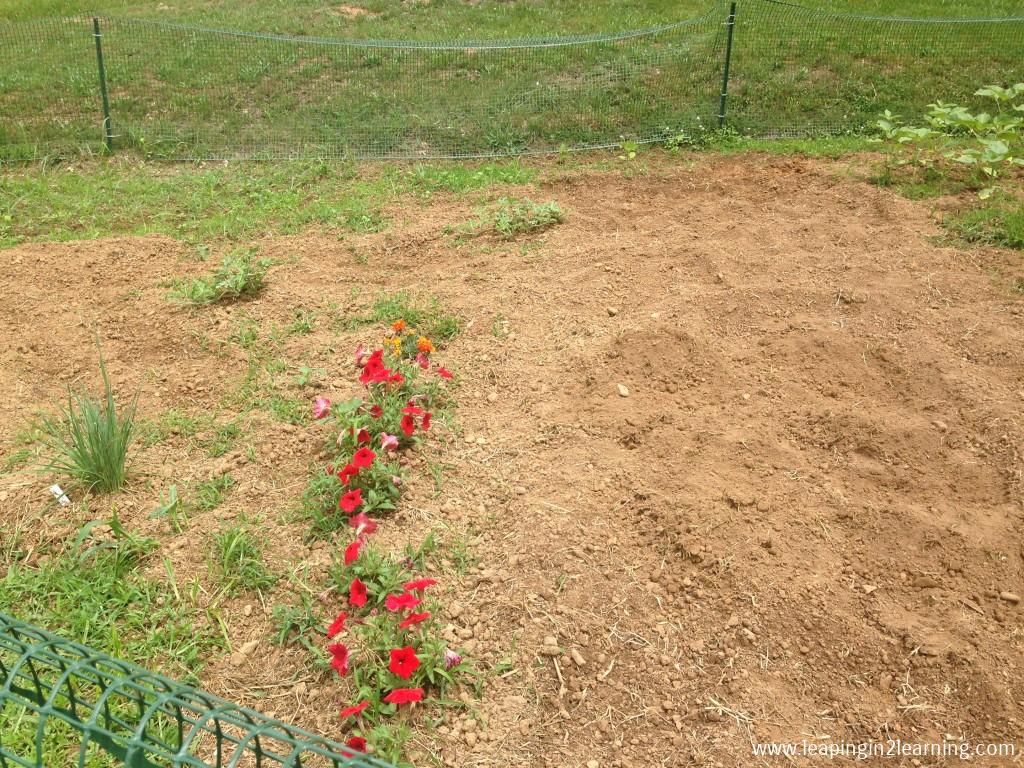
x=451, y=658
x=321, y=407
x=363, y=524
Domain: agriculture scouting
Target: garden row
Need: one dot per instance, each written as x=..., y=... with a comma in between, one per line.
x=385, y=641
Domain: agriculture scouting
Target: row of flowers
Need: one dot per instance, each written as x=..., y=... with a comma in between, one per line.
x=385, y=639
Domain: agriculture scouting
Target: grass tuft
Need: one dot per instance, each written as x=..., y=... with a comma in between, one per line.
x=89, y=439
x=238, y=558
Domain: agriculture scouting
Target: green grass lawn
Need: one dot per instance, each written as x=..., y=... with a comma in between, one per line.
x=456, y=19
x=184, y=92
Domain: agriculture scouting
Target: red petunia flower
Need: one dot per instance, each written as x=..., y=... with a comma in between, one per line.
x=418, y=584
x=376, y=411
x=404, y=695
x=404, y=662
x=414, y=618
x=340, y=660
x=357, y=593
x=354, y=710
x=351, y=501
x=401, y=602
x=363, y=436
x=337, y=626
x=363, y=524
x=363, y=458
x=412, y=410
x=352, y=551
x=443, y=372
x=425, y=421
x=347, y=473
x=358, y=743
x=408, y=424
x=422, y=360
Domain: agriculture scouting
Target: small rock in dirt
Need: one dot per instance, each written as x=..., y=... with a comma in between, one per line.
x=940, y=425
x=577, y=657
x=924, y=582
x=593, y=764
x=550, y=640
x=1010, y=597
x=247, y=610
x=520, y=490
x=623, y=390
x=493, y=397
x=868, y=588
x=612, y=311
x=471, y=739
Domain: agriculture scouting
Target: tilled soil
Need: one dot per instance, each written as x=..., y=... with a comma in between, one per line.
x=738, y=453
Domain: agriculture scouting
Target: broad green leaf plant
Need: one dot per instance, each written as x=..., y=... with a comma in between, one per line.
x=991, y=142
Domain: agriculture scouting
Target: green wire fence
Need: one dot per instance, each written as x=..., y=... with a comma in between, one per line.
x=760, y=67
x=95, y=708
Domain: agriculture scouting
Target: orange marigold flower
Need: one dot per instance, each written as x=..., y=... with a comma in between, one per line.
x=423, y=345
x=398, y=326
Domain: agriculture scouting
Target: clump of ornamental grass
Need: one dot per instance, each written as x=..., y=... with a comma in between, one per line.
x=240, y=275
x=89, y=438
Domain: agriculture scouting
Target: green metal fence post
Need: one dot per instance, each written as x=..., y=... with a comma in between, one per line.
x=730, y=24
x=108, y=133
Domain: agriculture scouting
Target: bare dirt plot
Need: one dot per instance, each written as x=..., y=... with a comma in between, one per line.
x=800, y=516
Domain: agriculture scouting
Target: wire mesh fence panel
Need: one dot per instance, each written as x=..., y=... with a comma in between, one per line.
x=182, y=91
x=797, y=71
x=185, y=91
x=61, y=701
x=49, y=89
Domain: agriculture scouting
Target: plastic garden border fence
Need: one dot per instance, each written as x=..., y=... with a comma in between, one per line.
x=756, y=67
x=56, y=692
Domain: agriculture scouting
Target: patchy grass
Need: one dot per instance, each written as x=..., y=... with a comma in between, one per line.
x=460, y=179
x=95, y=593
x=917, y=181
x=1000, y=224
x=238, y=558
x=211, y=493
x=222, y=204
x=427, y=318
